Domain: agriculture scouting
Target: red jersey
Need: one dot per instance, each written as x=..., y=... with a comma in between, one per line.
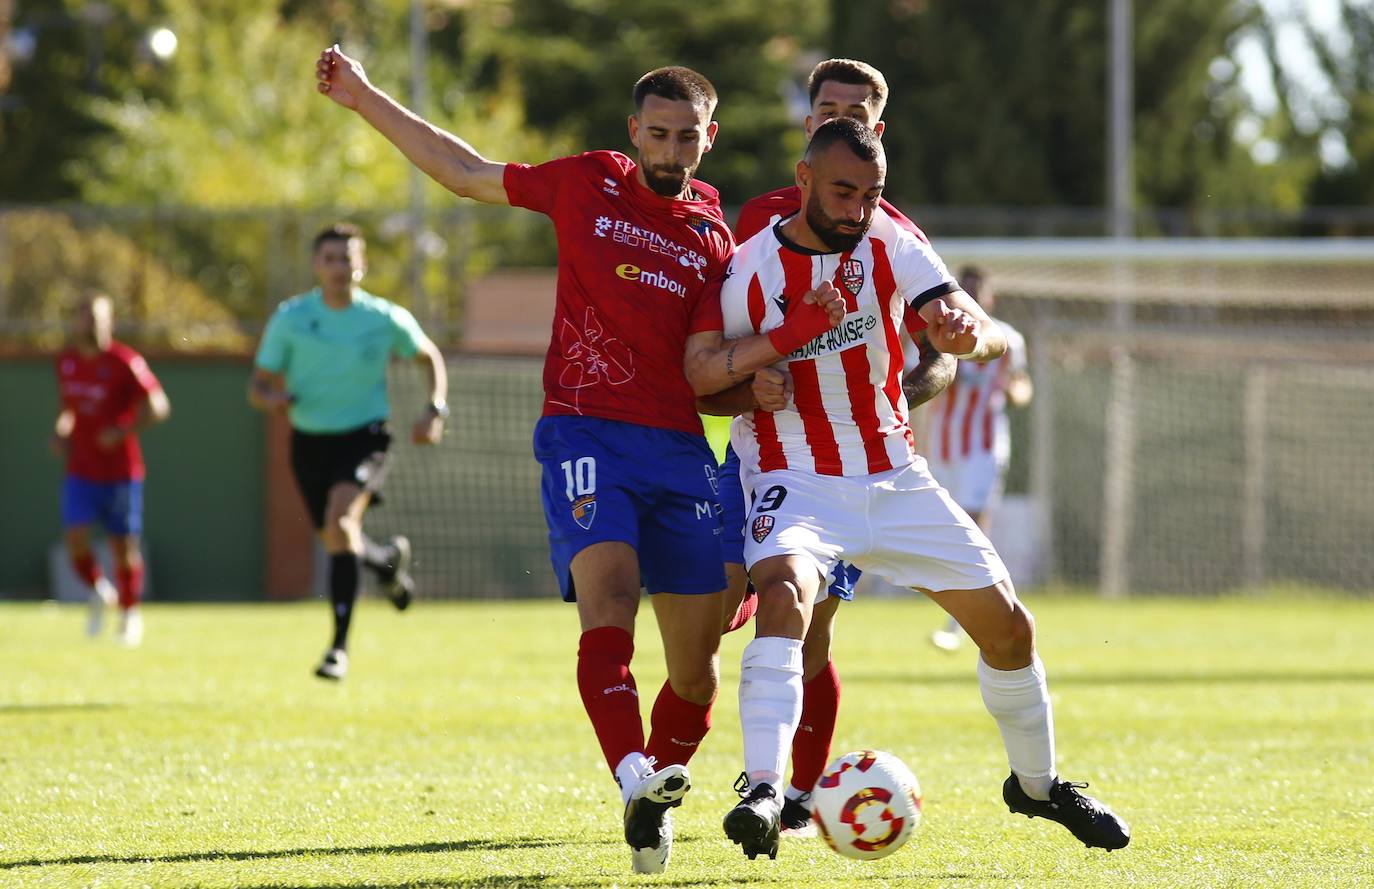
x=638, y=273
x=103, y=391
x=760, y=212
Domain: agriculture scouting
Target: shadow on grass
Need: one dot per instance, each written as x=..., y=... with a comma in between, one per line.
x=249, y=855
x=39, y=709
x=501, y=881
x=1223, y=677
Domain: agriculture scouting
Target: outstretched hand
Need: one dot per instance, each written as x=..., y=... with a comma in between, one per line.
x=341, y=78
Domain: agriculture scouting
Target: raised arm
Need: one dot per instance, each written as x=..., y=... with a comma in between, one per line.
x=444, y=157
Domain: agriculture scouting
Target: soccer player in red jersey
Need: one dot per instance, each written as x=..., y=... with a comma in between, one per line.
x=858, y=91
x=108, y=394
x=629, y=482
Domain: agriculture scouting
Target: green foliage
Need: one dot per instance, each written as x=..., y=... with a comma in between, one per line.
x=578, y=62
x=82, y=50
x=996, y=103
x=1231, y=734
x=51, y=260
x=1350, y=109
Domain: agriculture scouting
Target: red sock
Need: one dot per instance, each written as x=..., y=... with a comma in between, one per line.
x=130, y=583
x=608, y=692
x=747, y=606
x=811, y=743
x=86, y=568
x=676, y=728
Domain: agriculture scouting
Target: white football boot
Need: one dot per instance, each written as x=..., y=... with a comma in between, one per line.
x=103, y=595
x=648, y=823
x=334, y=666
x=131, y=627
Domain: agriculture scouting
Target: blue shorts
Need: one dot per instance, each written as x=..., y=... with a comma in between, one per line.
x=654, y=489
x=733, y=517
x=118, y=506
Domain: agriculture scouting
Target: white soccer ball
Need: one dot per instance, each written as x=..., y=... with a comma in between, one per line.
x=866, y=804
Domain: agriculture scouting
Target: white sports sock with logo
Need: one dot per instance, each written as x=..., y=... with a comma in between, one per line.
x=1020, y=702
x=770, y=702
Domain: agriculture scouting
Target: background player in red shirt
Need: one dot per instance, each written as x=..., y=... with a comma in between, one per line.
x=858, y=91
x=107, y=394
x=629, y=482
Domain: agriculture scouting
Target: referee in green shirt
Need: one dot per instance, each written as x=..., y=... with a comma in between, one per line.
x=323, y=360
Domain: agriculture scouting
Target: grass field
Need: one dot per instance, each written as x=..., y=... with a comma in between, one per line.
x=1237, y=737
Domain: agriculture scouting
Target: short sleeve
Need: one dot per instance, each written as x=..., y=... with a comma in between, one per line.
x=143, y=378
x=536, y=186
x=275, y=348
x=407, y=337
x=706, y=314
x=919, y=271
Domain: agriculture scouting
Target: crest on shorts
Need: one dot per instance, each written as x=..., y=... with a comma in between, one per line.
x=852, y=275
x=762, y=527
x=584, y=511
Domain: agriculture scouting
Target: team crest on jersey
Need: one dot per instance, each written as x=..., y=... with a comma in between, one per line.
x=699, y=225
x=762, y=527
x=584, y=511
x=852, y=275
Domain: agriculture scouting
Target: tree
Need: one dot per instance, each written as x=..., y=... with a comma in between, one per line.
x=1004, y=104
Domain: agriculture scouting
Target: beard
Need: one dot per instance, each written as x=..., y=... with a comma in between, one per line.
x=838, y=236
x=668, y=181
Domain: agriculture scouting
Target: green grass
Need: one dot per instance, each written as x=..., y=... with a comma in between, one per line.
x=1236, y=736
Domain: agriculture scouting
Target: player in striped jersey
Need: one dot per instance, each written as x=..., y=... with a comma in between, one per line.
x=967, y=433
x=839, y=478
x=856, y=90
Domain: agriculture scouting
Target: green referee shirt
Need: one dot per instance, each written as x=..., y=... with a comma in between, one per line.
x=334, y=360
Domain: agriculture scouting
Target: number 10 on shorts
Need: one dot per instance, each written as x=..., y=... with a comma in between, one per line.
x=580, y=487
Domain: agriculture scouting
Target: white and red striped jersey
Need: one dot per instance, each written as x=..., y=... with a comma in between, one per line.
x=848, y=415
x=970, y=417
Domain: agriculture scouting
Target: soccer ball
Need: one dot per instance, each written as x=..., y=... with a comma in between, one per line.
x=866, y=804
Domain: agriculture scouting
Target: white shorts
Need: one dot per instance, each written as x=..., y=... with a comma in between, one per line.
x=975, y=481
x=900, y=525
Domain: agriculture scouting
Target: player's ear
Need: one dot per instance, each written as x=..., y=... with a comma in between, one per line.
x=632, y=123
x=803, y=175
x=809, y=125
x=711, y=129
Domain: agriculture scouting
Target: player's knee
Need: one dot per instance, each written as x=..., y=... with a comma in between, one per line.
x=780, y=610
x=698, y=686
x=1013, y=644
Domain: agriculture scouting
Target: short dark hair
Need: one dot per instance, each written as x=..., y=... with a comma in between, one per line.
x=339, y=231
x=858, y=138
x=974, y=281
x=850, y=71
x=679, y=84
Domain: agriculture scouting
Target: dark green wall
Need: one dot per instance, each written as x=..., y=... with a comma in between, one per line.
x=203, y=510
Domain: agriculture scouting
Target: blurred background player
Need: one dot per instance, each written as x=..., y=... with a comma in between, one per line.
x=323, y=360
x=108, y=394
x=968, y=437
x=856, y=90
x=628, y=482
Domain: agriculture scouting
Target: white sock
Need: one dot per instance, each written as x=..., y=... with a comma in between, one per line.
x=770, y=700
x=1020, y=702
x=629, y=772
x=794, y=794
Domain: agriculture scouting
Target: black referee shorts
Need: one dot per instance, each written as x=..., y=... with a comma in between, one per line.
x=322, y=460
